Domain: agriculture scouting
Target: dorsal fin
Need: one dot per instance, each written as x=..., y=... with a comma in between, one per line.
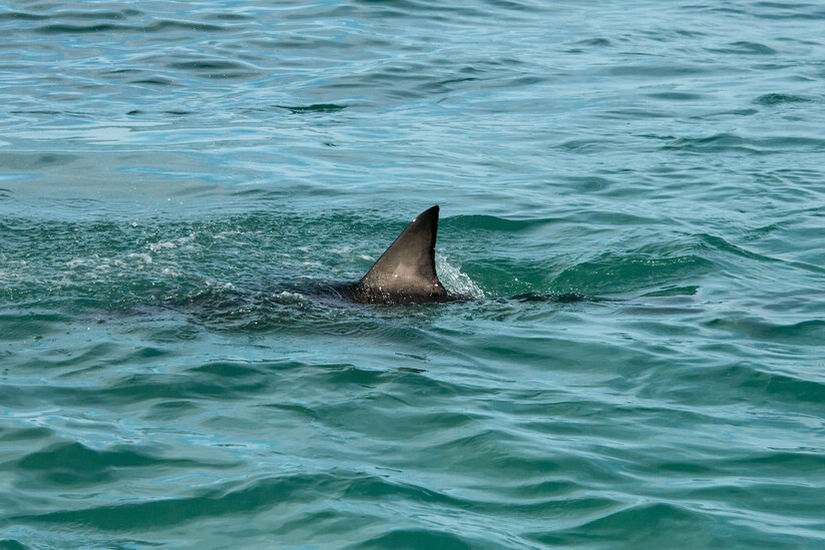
x=405, y=272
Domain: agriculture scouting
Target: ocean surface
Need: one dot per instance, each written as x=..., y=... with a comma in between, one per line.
x=633, y=194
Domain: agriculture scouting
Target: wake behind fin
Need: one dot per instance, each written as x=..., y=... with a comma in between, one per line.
x=405, y=272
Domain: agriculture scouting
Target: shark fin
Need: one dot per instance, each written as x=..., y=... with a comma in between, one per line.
x=405, y=272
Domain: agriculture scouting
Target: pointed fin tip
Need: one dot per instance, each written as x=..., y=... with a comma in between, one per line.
x=431, y=211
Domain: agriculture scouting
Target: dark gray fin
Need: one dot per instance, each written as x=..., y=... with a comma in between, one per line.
x=405, y=272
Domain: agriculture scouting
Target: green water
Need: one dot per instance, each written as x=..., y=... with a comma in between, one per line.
x=177, y=182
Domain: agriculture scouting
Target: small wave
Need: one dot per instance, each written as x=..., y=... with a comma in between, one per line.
x=810, y=332
x=314, y=108
x=655, y=71
x=260, y=495
x=646, y=525
x=77, y=455
x=611, y=275
x=113, y=24
x=138, y=388
x=725, y=142
x=754, y=384
x=811, y=11
x=419, y=538
x=778, y=99
x=66, y=28
x=495, y=223
x=588, y=146
x=151, y=80
x=22, y=16
x=178, y=25
x=215, y=68
x=744, y=47
x=677, y=96
x=601, y=41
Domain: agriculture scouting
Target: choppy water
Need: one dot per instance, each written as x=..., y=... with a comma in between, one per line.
x=172, y=174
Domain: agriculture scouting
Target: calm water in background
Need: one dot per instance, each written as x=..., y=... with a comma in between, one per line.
x=173, y=174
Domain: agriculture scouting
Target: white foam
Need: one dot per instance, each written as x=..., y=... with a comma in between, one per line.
x=155, y=247
x=455, y=280
x=78, y=262
x=218, y=284
x=145, y=258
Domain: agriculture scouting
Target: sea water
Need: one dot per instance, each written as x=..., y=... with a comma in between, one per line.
x=174, y=175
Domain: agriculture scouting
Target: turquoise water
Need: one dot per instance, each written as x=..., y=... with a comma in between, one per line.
x=172, y=175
